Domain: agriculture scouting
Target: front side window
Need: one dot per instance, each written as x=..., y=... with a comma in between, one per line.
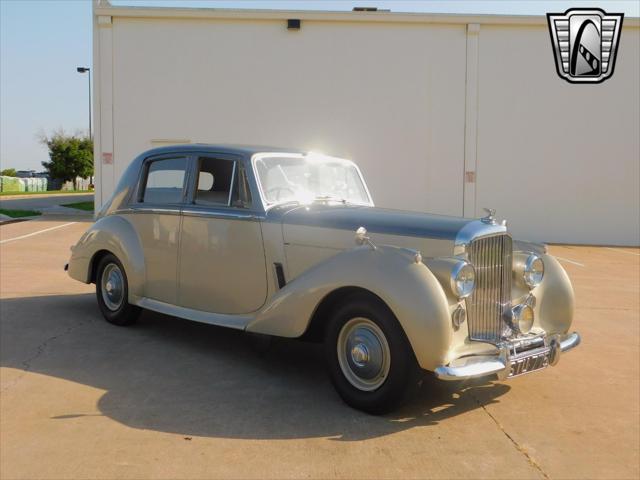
x=165, y=181
x=309, y=178
x=215, y=180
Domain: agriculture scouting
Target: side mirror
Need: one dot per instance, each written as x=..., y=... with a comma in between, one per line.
x=362, y=238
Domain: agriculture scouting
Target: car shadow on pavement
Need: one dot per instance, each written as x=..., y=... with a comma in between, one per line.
x=172, y=375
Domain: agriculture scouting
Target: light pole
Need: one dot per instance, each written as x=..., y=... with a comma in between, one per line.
x=87, y=70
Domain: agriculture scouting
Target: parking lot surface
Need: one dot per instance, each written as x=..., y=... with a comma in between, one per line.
x=167, y=398
x=43, y=202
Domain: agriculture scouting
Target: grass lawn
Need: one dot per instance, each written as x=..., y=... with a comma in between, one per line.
x=48, y=192
x=88, y=206
x=18, y=213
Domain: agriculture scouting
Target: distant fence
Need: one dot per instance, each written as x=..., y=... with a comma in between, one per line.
x=41, y=184
x=14, y=184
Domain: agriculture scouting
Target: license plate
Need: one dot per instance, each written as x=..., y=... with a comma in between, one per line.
x=527, y=363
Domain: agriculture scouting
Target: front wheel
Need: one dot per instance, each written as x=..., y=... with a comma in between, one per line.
x=112, y=292
x=370, y=360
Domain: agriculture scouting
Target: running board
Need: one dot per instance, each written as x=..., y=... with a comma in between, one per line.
x=238, y=322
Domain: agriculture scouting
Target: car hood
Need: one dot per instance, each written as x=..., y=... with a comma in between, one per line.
x=375, y=220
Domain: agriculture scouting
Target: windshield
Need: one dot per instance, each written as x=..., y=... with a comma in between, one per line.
x=309, y=178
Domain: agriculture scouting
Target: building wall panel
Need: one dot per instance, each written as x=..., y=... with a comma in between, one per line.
x=560, y=161
x=389, y=96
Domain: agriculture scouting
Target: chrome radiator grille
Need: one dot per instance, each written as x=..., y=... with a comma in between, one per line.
x=490, y=304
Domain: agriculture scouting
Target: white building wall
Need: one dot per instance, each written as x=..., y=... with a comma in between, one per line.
x=560, y=161
x=375, y=93
x=415, y=100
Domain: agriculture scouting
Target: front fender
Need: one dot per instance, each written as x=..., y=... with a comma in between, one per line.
x=555, y=298
x=408, y=288
x=116, y=235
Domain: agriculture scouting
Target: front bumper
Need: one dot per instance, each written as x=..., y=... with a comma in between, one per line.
x=514, y=359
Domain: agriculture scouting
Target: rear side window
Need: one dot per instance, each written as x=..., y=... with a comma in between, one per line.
x=165, y=181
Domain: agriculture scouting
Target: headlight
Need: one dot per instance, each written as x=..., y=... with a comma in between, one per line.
x=533, y=271
x=463, y=279
x=523, y=317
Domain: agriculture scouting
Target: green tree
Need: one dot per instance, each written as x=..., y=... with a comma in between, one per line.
x=9, y=172
x=70, y=156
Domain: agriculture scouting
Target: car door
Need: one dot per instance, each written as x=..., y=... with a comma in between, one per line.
x=155, y=215
x=222, y=262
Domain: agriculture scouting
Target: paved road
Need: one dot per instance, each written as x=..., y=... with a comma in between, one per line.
x=171, y=399
x=43, y=202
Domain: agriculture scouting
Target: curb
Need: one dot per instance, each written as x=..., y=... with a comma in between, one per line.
x=68, y=212
x=17, y=220
x=44, y=195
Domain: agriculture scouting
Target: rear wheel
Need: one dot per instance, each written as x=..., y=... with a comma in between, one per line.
x=370, y=360
x=112, y=292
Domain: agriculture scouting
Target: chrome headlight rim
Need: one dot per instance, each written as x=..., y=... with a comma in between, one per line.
x=528, y=272
x=456, y=272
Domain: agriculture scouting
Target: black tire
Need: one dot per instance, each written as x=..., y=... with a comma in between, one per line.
x=401, y=370
x=125, y=313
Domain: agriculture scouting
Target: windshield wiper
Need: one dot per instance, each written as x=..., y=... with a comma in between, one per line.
x=330, y=198
x=283, y=202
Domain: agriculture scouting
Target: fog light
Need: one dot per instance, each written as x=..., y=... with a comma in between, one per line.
x=458, y=317
x=522, y=318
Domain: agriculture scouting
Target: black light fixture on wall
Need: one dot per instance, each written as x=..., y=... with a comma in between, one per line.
x=293, y=24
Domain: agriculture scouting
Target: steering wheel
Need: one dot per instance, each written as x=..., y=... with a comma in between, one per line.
x=278, y=190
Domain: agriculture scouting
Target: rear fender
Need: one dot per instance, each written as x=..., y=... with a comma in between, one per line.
x=116, y=235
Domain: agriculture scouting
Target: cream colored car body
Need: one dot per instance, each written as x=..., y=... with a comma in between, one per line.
x=218, y=265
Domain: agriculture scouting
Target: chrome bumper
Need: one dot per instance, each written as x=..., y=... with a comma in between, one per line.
x=515, y=358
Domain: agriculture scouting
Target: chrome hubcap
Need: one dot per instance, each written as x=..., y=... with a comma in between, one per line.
x=112, y=287
x=363, y=354
x=360, y=355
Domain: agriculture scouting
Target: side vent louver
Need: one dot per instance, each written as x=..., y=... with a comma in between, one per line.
x=280, y=275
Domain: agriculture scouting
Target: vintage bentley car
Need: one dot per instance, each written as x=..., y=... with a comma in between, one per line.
x=289, y=243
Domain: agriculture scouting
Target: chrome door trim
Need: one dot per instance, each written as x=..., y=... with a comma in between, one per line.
x=149, y=209
x=229, y=214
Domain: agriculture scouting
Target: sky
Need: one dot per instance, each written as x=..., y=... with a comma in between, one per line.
x=43, y=41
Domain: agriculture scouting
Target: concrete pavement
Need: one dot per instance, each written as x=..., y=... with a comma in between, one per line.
x=167, y=398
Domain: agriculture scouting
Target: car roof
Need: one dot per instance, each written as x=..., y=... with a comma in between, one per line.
x=242, y=150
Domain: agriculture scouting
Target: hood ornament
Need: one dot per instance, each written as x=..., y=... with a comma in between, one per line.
x=491, y=216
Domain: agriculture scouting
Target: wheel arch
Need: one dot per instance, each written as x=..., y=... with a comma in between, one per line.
x=317, y=324
x=95, y=261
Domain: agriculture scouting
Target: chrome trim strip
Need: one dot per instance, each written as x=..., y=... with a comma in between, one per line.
x=233, y=177
x=473, y=230
x=234, y=215
x=475, y=366
x=149, y=209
